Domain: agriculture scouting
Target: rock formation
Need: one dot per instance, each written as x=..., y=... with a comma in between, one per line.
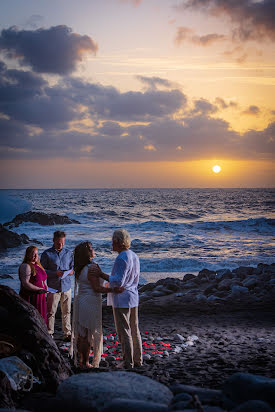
x=41, y=218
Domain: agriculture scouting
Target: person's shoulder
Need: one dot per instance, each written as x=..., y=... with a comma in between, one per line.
x=133, y=254
x=46, y=251
x=67, y=251
x=24, y=267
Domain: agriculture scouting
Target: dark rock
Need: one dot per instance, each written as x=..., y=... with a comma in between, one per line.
x=223, y=274
x=127, y=405
x=35, y=346
x=243, y=271
x=40, y=218
x=195, y=390
x=180, y=397
x=10, y=239
x=190, y=284
x=224, y=284
x=45, y=402
x=188, y=276
x=6, y=277
x=6, y=392
x=207, y=274
x=253, y=406
x=95, y=389
x=250, y=283
x=242, y=387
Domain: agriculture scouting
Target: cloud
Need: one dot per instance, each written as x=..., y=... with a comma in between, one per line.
x=238, y=53
x=187, y=34
x=55, y=50
x=26, y=97
x=252, y=110
x=78, y=119
x=252, y=20
x=203, y=107
x=225, y=105
x=154, y=82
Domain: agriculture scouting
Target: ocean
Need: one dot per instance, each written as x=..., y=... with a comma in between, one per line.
x=173, y=231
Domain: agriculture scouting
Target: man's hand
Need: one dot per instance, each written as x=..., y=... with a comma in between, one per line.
x=71, y=272
x=59, y=273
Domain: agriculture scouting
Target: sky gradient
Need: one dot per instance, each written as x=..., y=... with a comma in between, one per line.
x=137, y=93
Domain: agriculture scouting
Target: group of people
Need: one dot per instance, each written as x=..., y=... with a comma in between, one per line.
x=47, y=282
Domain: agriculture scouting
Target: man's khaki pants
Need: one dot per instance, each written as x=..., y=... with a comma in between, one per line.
x=126, y=320
x=65, y=299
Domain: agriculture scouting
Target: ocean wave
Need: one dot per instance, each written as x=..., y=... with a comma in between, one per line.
x=260, y=225
x=195, y=265
x=10, y=206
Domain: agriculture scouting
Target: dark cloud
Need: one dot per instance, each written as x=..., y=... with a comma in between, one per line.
x=54, y=50
x=186, y=34
x=26, y=97
x=252, y=110
x=225, y=105
x=36, y=119
x=154, y=82
x=253, y=20
x=203, y=107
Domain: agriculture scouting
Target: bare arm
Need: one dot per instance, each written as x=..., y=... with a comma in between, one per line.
x=96, y=271
x=25, y=276
x=96, y=285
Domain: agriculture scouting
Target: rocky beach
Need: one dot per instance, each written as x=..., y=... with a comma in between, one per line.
x=203, y=337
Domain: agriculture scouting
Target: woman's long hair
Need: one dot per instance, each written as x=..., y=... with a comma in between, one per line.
x=27, y=259
x=82, y=257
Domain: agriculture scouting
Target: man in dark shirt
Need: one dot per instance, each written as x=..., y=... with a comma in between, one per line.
x=57, y=261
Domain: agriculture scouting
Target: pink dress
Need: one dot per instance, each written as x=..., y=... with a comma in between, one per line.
x=38, y=300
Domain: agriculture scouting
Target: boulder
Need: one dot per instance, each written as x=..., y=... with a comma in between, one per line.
x=188, y=276
x=207, y=274
x=223, y=274
x=242, y=387
x=250, y=282
x=237, y=290
x=224, y=284
x=243, y=271
x=97, y=389
x=127, y=405
x=41, y=218
x=10, y=239
x=33, y=344
x=253, y=406
x=6, y=393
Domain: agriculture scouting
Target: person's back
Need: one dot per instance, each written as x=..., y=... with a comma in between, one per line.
x=126, y=272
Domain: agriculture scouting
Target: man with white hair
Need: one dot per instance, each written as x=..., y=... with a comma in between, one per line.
x=125, y=273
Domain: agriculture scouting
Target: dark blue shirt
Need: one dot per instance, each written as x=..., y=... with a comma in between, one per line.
x=52, y=261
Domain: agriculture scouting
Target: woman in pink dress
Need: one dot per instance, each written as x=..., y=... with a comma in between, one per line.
x=33, y=280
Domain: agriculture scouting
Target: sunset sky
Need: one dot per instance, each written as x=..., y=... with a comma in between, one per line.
x=137, y=93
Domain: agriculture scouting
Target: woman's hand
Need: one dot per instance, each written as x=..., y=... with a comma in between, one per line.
x=41, y=291
x=118, y=289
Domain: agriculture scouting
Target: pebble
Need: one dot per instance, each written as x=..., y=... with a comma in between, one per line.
x=179, y=337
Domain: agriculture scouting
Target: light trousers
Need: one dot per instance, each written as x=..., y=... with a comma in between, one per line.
x=65, y=299
x=126, y=321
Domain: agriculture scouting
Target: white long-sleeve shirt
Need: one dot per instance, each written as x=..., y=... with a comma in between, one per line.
x=125, y=272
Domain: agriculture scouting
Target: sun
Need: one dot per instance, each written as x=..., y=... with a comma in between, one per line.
x=216, y=169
